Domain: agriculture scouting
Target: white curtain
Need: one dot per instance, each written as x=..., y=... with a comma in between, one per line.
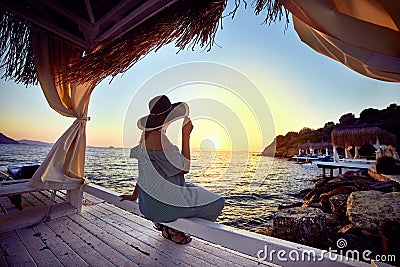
x=364, y=35
x=63, y=167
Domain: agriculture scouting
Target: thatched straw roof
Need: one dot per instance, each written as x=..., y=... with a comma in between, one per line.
x=358, y=136
x=319, y=145
x=112, y=35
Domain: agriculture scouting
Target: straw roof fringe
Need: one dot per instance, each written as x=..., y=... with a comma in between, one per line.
x=358, y=136
x=319, y=145
x=16, y=58
x=275, y=10
x=186, y=22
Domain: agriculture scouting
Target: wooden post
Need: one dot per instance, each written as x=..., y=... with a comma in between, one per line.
x=331, y=172
x=323, y=172
x=75, y=197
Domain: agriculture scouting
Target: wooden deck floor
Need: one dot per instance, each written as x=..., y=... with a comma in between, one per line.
x=104, y=235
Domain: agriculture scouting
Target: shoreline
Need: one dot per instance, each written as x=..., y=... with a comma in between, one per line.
x=353, y=207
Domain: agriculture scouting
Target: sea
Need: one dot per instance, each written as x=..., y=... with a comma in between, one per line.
x=253, y=186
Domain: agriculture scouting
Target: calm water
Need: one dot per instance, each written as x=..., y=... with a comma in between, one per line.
x=253, y=186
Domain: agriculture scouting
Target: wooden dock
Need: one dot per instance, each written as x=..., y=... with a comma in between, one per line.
x=103, y=234
x=342, y=165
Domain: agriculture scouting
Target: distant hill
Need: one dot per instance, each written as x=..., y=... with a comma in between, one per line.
x=33, y=142
x=7, y=140
x=288, y=145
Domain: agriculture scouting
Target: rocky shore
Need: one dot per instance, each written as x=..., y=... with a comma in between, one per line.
x=353, y=208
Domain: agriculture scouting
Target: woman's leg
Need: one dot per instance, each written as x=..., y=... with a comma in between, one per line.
x=210, y=211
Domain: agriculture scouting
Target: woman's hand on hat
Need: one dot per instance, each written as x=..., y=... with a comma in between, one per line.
x=187, y=127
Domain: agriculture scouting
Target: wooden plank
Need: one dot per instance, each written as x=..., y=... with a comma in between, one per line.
x=383, y=177
x=42, y=22
x=9, y=182
x=13, y=189
x=37, y=248
x=218, y=251
x=347, y=165
x=103, y=248
x=111, y=197
x=160, y=256
x=153, y=239
x=190, y=254
x=84, y=250
x=245, y=242
x=31, y=200
x=43, y=197
x=33, y=215
x=6, y=203
x=15, y=252
x=252, y=243
x=65, y=254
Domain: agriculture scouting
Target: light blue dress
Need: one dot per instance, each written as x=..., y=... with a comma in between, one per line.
x=164, y=195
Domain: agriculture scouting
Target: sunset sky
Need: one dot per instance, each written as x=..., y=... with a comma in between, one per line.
x=301, y=88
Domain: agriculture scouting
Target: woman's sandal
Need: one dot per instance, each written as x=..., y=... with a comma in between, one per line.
x=170, y=234
x=158, y=227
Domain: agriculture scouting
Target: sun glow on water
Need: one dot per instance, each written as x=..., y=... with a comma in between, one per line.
x=209, y=135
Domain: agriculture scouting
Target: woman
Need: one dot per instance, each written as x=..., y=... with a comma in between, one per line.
x=163, y=194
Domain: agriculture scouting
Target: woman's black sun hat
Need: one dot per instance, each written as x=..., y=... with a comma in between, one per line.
x=162, y=112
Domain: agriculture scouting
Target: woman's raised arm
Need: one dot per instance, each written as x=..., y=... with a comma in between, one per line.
x=187, y=128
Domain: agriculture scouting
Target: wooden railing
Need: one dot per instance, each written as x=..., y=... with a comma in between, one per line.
x=264, y=248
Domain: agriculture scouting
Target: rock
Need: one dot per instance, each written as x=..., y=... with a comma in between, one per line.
x=301, y=225
x=363, y=184
x=265, y=231
x=324, y=198
x=315, y=192
x=336, y=183
x=339, y=204
x=357, y=242
x=391, y=238
x=303, y=192
x=335, y=223
x=292, y=205
x=349, y=229
x=337, y=180
x=368, y=210
x=385, y=187
x=313, y=199
x=320, y=183
x=333, y=220
x=315, y=205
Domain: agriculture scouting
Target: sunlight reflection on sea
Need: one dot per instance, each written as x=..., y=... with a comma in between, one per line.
x=226, y=173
